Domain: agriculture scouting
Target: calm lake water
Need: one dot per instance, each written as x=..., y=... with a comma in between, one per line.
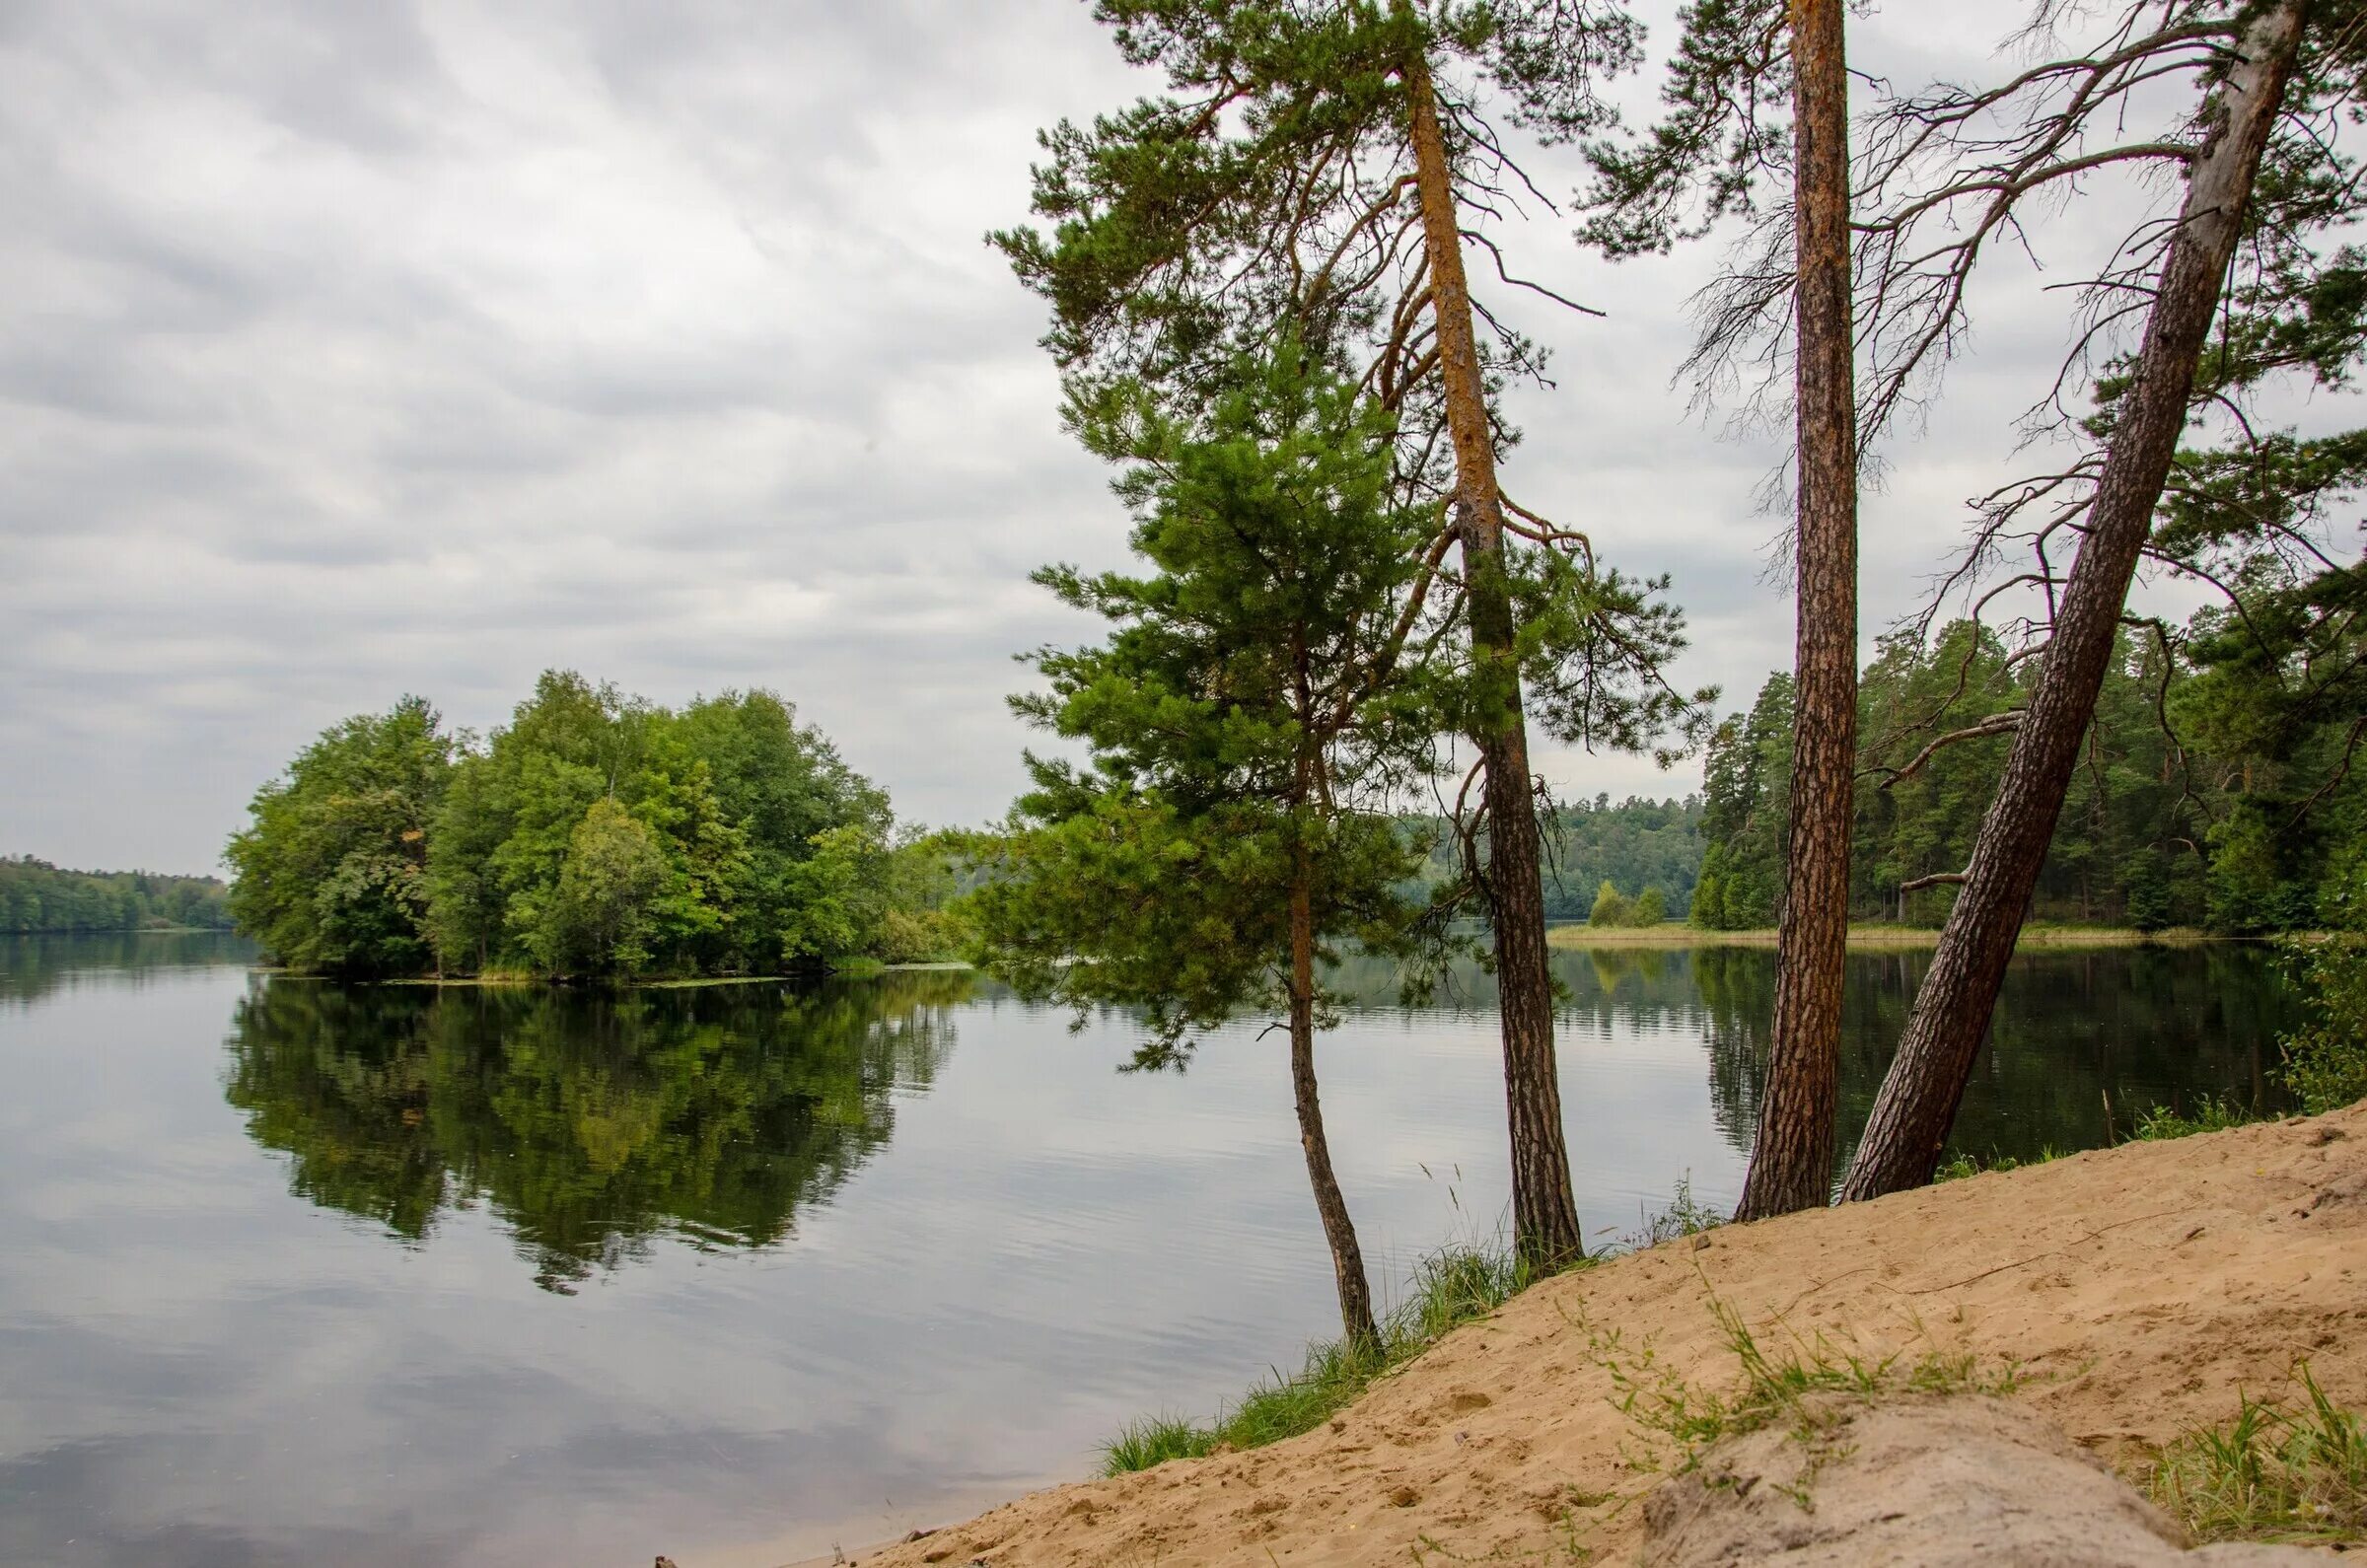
x=292, y=1274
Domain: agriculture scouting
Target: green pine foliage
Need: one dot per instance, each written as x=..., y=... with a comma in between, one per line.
x=1746, y=796
x=2325, y=1059
x=36, y=896
x=596, y=835
x=1269, y=191
x=1253, y=713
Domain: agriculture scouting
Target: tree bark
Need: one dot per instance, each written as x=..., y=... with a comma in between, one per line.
x=1791, y=1162
x=1340, y=1232
x=1544, y=1210
x=1919, y=1096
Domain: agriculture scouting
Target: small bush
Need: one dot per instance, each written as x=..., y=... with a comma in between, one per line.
x=2272, y=1473
x=2325, y=1059
x=1612, y=907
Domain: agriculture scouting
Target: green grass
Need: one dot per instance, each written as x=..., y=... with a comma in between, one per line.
x=1451, y=1287
x=1683, y=1216
x=1154, y=1439
x=1777, y=1388
x=2274, y=1473
x=2210, y=1114
x=1971, y=1164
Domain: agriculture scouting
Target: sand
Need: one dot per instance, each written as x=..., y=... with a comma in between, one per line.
x=2140, y=1288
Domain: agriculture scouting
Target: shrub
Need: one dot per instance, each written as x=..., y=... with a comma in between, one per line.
x=2325, y=1059
x=1612, y=907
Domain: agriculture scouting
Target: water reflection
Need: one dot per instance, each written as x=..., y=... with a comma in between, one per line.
x=34, y=965
x=2084, y=1040
x=199, y=1368
x=590, y=1122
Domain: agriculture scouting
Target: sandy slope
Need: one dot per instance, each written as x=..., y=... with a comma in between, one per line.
x=2143, y=1286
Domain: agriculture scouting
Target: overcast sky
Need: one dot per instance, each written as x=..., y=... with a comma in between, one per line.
x=350, y=350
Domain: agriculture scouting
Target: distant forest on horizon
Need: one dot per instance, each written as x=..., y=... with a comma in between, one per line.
x=36, y=896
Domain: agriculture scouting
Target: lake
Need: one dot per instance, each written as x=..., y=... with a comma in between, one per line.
x=295, y=1273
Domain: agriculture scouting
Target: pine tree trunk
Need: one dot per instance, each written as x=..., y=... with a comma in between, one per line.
x=1544, y=1211
x=1791, y=1162
x=1340, y=1232
x=1919, y=1096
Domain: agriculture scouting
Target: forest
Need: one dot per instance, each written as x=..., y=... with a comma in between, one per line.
x=1638, y=845
x=36, y=896
x=2186, y=809
x=594, y=834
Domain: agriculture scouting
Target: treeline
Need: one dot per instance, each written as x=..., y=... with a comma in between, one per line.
x=596, y=835
x=1639, y=847
x=2183, y=811
x=36, y=896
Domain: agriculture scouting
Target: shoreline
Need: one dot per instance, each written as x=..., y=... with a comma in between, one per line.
x=691, y=982
x=1578, y=934
x=1571, y=935
x=2229, y=1257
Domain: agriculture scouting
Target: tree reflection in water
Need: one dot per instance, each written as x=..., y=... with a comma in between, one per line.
x=2076, y=1030
x=588, y=1121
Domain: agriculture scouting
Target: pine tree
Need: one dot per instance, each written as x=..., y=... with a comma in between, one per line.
x=1253, y=718
x=1321, y=169
x=2246, y=56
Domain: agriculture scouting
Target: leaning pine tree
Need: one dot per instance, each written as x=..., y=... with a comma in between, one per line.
x=2266, y=183
x=1264, y=701
x=1322, y=170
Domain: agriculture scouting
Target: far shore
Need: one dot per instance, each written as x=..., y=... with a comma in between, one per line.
x=684, y=983
x=1568, y=934
x=1579, y=934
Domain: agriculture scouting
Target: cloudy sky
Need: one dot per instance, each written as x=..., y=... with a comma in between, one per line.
x=416, y=346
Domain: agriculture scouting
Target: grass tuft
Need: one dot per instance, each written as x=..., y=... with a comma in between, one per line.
x=2274, y=1473
x=1154, y=1439
x=1777, y=1388
x=1971, y=1164
x=2210, y=1114
x=1684, y=1216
